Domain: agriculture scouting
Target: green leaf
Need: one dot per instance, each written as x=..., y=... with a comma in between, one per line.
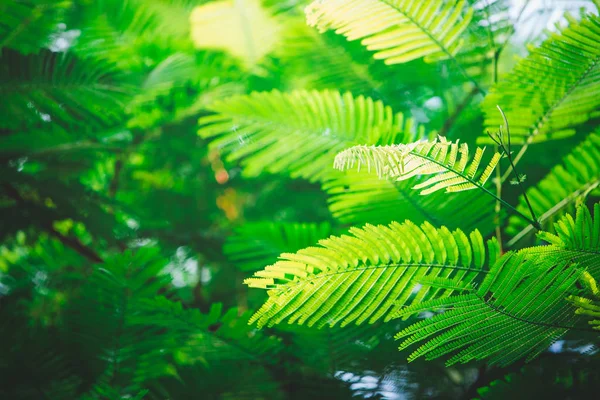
x=61, y=89
x=299, y=133
x=397, y=30
x=576, y=239
x=356, y=198
x=553, y=90
x=558, y=191
x=454, y=170
x=366, y=276
x=518, y=311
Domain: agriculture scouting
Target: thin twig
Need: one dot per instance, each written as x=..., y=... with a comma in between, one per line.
x=498, y=206
x=463, y=175
x=508, y=151
x=512, y=30
x=498, y=182
x=74, y=244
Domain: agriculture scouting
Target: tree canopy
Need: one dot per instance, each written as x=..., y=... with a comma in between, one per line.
x=263, y=199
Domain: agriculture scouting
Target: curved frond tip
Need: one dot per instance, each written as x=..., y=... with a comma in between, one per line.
x=576, y=239
x=454, y=170
x=565, y=184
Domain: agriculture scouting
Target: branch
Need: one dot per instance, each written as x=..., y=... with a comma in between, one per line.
x=70, y=242
x=74, y=244
x=499, y=140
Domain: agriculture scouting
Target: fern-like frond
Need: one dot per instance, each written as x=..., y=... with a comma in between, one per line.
x=520, y=298
x=101, y=321
x=324, y=61
x=122, y=32
x=554, y=89
x=355, y=198
x=299, y=132
x=216, y=337
x=26, y=25
x=556, y=193
x=255, y=245
x=454, y=170
x=488, y=31
x=491, y=22
x=575, y=239
x=367, y=276
x=588, y=306
x=61, y=89
x=397, y=30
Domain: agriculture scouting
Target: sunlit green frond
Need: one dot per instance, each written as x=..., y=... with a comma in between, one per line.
x=397, y=30
x=554, y=89
x=58, y=88
x=517, y=312
x=558, y=191
x=299, y=133
x=575, y=239
x=255, y=245
x=26, y=25
x=454, y=170
x=310, y=60
x=367, y=276
x=356, y=198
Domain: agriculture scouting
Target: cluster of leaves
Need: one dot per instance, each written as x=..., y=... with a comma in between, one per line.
x=154, y=154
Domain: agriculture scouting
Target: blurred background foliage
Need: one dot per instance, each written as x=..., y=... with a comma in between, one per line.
x=125, y=238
